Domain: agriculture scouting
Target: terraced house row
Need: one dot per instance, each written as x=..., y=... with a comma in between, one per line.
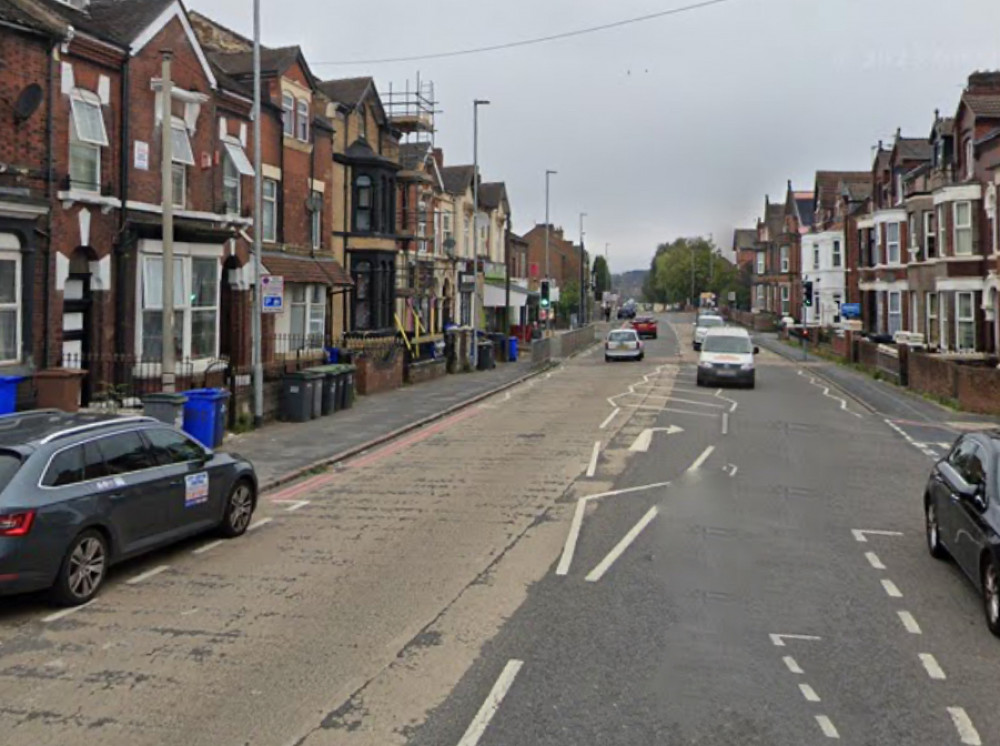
x=906, y=250
x=370, y=231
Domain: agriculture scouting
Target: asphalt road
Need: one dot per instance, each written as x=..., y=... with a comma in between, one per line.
x=606, y=554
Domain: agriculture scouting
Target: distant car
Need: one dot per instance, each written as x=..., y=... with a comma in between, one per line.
x=962, y=515
x=626, y=312
x=79, y=493
x=703, y=324
x=727, y=356
x=623, y=344
x=645, y=326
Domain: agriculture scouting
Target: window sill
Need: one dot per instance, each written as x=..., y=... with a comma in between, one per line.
x=90, y=198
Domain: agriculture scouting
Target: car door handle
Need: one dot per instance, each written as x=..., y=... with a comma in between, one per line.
x=176, y=483
x=116, y=496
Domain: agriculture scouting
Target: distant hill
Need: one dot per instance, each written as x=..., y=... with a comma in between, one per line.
x=629, y=284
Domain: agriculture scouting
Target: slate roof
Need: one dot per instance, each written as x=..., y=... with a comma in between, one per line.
x=306, y=269
x=413, y=155
x=829, y=185
x=983, y=104
x=240, y=64
x=348, y=91
x=804, y=207
x=117, y=21
x=30, y=15
x=361, y=152
x=492, y=194
x=457, y=178
x=913, y=149
x=774, y=218
x=744, y=238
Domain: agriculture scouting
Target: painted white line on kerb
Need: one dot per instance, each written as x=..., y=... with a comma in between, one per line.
x=931, y=666
x=963, y=724
x=826, y=725
x=65, y=613
x=592, y=466
x=598, y=572
x=792, y=665
x=259, y=524
x=208, y=547
x=610, y=418
x=874, y=561
x=809, y=693
x=574, y=534
x=147, y=575
x=725, y=423
x=891, y=588
x=701, y=459
x=479, y=723
x=909, y=622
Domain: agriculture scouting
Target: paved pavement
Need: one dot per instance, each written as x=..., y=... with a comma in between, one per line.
x=604, y=554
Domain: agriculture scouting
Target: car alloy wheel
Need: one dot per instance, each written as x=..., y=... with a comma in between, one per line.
x=239, y=509
x=933, y=532
x=991, y=597
x=83, y=570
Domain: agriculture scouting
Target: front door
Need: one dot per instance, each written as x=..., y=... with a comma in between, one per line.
x=76, y=329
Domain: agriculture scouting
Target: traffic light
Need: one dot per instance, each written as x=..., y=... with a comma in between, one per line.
x=545, y=293
x=807, y=293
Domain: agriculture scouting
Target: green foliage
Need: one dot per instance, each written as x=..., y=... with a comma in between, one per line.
x=602, y=276
x=569, y=300
x=687, y=267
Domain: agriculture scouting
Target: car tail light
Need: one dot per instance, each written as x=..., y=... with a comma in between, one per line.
x=16, y=524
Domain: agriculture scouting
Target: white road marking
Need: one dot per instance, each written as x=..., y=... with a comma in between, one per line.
x=828, y=395
x=779, y=640
x=826, y=725
x=259, y=524
x=909, y=622
x=598, y=572
x=293, y=505
x=792, y=665
x=574, y=534
x=208, y=547
x=731, y=469
x=922, y=447
x=701, y=459
x=147, y=575
x=55, y=617
x=963, y=724
x=732, y=402
x=489, y=708
x=861, y=534
x=189, y=612
x=610, y=418
x=931, y=666
x=891, y=588
x=725, y=423
x=874, y=561
x=644, y=439
x=592, y=466
x=809, y=693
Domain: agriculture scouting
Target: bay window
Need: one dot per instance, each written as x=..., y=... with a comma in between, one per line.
x=307, y=315
x=196, y=307
x=963, y=228
x=941, y=232
x=784, y=259
x=363, y=204
x=760, y=262
x=965, y=322
x=785, y=300
x=374, y=294
x=10, y=306
x=269, y=218
x=892, y=243
x=87, y=135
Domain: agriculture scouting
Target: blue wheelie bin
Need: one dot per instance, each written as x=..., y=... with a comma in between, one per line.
x=205, y=415
x=512, y=350
x=8, y=393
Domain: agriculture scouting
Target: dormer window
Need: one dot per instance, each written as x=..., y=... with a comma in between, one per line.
x=86, y=138
x=288, y=114
x=302, y=120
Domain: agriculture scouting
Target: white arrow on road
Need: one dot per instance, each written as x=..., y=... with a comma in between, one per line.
x=862, y=534
x=779, y=640
x=645, y=438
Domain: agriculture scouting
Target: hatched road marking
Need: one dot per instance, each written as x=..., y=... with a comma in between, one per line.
x=489, y=708
x=598, y=572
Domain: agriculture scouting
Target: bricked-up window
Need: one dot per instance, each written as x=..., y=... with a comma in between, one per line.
x=930, y=235
x=10, y=306
x=931, y=328
x=288, y=114
x=965, y=322
x=87, y=135
x=963, y=228
x=316, y=219
x=302, y=120
x=269, y=219
x=364, y=199
x=816, y=255
x=892, y=243
x=196, y=307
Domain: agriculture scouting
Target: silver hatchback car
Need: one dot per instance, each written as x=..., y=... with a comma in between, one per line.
x=79, y=493
x=623, y=344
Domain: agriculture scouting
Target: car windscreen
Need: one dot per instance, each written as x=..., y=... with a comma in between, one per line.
x=733, y=345
x=10, y=462
x=621, y=337
x=707, y=321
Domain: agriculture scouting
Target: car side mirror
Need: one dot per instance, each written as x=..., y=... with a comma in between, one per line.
x=756, y=350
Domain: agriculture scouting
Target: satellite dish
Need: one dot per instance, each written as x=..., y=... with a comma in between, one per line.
x=28, y=102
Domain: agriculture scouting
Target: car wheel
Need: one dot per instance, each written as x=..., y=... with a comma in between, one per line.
x=239, y=509
x=607, y=358
x=642, y=355
x=699, y=381
x=752, y=384
x=83, y=570
x=991, y=595
x=934, y=545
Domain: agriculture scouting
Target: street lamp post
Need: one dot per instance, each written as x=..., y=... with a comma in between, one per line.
x=548, y=277
x=258, y=209
x=475, y=226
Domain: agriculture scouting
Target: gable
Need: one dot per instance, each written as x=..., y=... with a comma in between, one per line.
x=172, y=11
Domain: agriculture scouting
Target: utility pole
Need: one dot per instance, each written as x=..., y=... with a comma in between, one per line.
x=475, y=226
x=168, y=359
x=583, y=275
x=258, y=227
x=548, y=277
x=692, y=275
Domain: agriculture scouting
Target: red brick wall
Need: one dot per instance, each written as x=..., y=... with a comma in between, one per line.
x=978, y=388
x=931, y=375
x=375, y=375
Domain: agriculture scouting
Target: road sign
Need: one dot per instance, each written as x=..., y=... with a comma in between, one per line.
x=850, y=310
x=273, y=295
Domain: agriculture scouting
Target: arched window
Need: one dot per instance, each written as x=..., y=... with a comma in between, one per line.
x=363, y=200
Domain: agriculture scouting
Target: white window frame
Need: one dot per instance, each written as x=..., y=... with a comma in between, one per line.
x=231, y=181
x=269, y=203
x=785, y=260
x=760, y=297
x=941, y=214
x=89, y=143
x=288, y=114
x=963, y=229
x=991, y=214
x=314, y=313
x=970, y=158
x=182, y=304
x=816, y=256
x=931, y=324
x=894, y=317
x=892, y=247
x=966, y=320
x=316, y=220
x=178, y=198
x=761, y=266
x=930, y=234
x=786, y=300
x=14, y=255
x=838, y=256
x=302, y=120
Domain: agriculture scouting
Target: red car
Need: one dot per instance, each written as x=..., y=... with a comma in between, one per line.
x=644, y=326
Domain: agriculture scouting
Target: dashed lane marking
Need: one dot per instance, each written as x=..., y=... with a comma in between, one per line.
x=293, y=505
x=963, y=724
x=489, y=708
x=792, y=665
x=874, y=561
x=932, y=667
x=725, y=423
x=207, y=547
x=826, y=725
x=809, y=693
x=598, y=572
x=891, y=589
x=909, y=622
x=592, y=466
x=147, y=575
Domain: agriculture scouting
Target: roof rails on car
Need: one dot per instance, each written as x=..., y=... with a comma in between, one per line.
x=14, y=419
x=93, y=425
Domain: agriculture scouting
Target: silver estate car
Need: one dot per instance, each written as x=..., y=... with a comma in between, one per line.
x=623, y=344
x=80, y=492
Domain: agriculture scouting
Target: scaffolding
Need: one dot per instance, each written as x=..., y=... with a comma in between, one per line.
x=411, y=110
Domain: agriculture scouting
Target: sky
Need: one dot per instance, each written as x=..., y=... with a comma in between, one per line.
x=677, y=126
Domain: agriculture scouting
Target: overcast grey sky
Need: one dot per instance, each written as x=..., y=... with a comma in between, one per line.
x=676, y=126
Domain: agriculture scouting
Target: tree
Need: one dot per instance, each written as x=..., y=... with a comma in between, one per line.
x=569, y=300
x=602, y=276
x=687, y=267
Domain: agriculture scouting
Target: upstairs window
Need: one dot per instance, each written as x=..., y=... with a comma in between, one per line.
x=942, y=232
x=288, y=114
x=302, y=120
x=963, y=228
x=760, y=262
x=970, y=158
x=363, y=203
x=86, y=138
x=362, y=123
x=892, y=243
x=838, y=260
x=269, y=220
x=815, y=256
x=235, y=165
x=316, y=219
x=784, y=259
x=930, y=235
x=183, y=156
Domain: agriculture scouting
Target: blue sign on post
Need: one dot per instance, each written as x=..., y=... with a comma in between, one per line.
x=273, y=295
x=850, y=310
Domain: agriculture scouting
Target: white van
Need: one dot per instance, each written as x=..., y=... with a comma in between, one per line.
x=727, y=356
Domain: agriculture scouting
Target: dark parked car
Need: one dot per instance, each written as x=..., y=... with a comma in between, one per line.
x=79, y=493
x=962, y=512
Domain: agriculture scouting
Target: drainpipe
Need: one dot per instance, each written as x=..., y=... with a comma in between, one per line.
x=49, y=178
x=121, y=251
